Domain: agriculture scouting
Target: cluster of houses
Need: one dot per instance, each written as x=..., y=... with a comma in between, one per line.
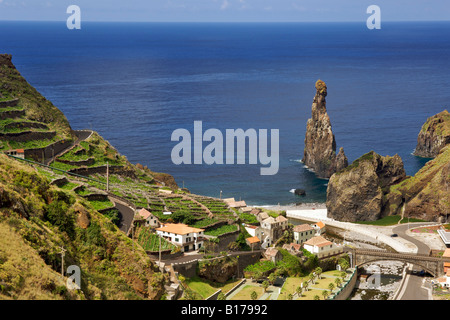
x=306, y=236
x=263, y=236
x=185, y=237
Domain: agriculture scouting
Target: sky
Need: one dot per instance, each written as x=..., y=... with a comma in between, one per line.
x=225, y=10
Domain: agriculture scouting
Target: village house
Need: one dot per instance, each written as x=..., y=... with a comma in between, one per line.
x=254, y=231
x=273, y=228
x=319, y=227
x=149, y=218
x=254, y=243
x=303, y=233
x=183, y=236
x=273, y=254
x=321, y=247
x=293, y=248
x=246, y=209
x=443, y=281
x=18, y=153
x=261, y=216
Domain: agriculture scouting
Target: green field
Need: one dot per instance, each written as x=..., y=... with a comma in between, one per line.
x=150, y=241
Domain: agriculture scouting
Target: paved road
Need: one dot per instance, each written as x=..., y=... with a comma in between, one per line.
x=127, y=216
x=413, y=283
x=81, y=136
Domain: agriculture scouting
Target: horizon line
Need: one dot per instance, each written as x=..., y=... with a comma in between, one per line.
x=230, y=22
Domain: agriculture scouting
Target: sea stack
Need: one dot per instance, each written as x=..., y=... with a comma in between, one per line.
x=320, y=144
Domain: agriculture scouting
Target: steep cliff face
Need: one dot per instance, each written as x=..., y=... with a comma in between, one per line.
x=434, y=135
x=358, y=193
x=426, y=195
x=320, y=144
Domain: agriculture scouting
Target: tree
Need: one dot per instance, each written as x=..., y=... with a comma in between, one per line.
x=316, y=297
x=272, y=278
x=318, y=271
x=331, y=287
x=290, y=296
x=299, y=291
x=254, y=295
x=311, y=277
x=305, y=285
x=265, y=285
x=338, y=282
x=325, y=294
x=344, y=264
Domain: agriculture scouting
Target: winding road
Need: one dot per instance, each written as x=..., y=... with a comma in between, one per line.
x=412, y=288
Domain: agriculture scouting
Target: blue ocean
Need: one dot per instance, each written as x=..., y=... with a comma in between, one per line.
x=135, y=83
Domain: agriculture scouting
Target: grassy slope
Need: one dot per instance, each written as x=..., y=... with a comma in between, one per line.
x=37, y=108
x=427, y=184
x=38, y=218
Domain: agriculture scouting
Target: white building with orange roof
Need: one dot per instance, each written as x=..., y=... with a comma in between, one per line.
x=322, y=247
x=319, y=227
x=181, y=235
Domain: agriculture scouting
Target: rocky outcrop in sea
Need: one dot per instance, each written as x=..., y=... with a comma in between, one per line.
x=320, y=145
x=358, y=193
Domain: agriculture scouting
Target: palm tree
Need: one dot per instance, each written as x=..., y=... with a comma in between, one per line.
x=318, y=271
x=316, y=297
x=311, y=277
x=325, y=294
x=305, y=285
x=338, y=282
x=253, y=295
x=299, y=291
x=331, y=287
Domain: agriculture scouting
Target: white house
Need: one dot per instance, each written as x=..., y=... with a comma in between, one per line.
x=321, y=247
x=181, y=235
x=150, y=219
x=319, y=227
x=303, y=233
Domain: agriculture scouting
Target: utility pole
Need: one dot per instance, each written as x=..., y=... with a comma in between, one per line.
x=159, y=250
x=63, y=252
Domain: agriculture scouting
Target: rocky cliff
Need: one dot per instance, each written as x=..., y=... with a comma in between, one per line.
x=426, y=195
x=320, y=144
x=434, y=135
x=373, y=186
x=358, y=193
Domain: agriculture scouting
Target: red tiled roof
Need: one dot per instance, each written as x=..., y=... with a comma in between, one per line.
x=318, y=241
x=253, y=240
x=144, y=213
x=179, y=228
x=302, y=228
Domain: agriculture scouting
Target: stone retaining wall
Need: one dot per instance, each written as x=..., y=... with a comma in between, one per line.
x=27, y=136
x=47, y=152
x=11, y=114
x=9, y=103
